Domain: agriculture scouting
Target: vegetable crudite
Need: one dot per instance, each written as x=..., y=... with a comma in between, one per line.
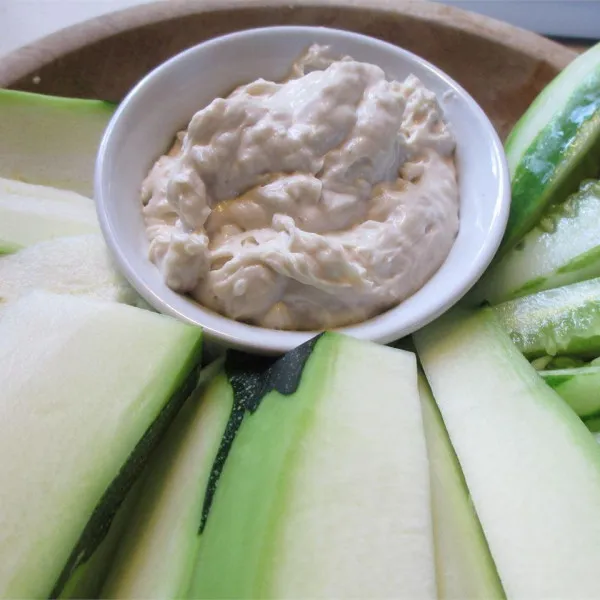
x=462, y=463
x=51, y=141
x=530, y=464
x=88, y=389
x=563, y=248
x=554, y=145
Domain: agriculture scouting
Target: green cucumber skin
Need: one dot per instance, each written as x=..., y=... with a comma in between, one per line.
x=555, y=380
x=579, y=388
x=9, y=248
x=593, y=424
x=252, y=378
x=565, y=151
x=255, y=387
x=547, y=103
x=585, y=266
x=107, y=508
x=535, y=285
x=18, y=97
x=87, y=581
x=156, y=554
x=564, y=248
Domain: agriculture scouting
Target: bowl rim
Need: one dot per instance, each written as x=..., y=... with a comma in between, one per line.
x=269, y=341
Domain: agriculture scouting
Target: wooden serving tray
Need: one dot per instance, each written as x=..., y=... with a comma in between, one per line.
x=502, y=66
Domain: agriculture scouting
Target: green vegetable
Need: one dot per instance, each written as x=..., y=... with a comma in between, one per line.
x=593, y=424
x=565, y=320
x=554, y=145
x=531, y=466
x=158, y=551
x=464, y=566
x=88, y=388
x=539, y=364
x=88, y=580
x=320, y=488
x=51, y=141
x=78, y=265
x=579, y=387
x=8, y=247
x=564, y=362
x=33, y=213
x=563, y=248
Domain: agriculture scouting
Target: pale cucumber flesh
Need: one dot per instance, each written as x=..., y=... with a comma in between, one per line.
x=530, y=464
x=51, y=141
x=34, y=213
x=579, y=388
x=555, y=145
x=87, y=389
x=77, y=265
x=158, y=551
x=464, y=566
x=312, y=464
x=563, y=248
x=564, y=320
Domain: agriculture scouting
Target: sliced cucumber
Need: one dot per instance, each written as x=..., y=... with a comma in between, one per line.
x=531, y=466
x=564, y=362
x=565, y=320
x=321, y=494
x=554, y=145
x=464, y=565
x=78, y=265
x=593, y=424
x=8, y=247
x=563, y=248
x=556, y=363
x=580, y=388
x=33, y=213
x=88, y=579
x=540, y=363
x=158, y=551
x=87, y=390
x=51, y=141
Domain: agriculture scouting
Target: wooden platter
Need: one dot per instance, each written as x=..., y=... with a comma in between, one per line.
x=502, y=66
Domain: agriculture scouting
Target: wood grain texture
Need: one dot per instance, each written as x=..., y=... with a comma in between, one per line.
x=503, y=67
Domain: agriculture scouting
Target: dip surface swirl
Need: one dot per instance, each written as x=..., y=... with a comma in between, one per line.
x=312, y=203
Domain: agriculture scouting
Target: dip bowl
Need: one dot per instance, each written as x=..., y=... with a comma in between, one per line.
x=163, y=102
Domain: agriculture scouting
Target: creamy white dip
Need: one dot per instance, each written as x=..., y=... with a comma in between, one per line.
x=313, y=203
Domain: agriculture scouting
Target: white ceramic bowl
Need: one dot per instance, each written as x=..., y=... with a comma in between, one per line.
x=144, y=125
